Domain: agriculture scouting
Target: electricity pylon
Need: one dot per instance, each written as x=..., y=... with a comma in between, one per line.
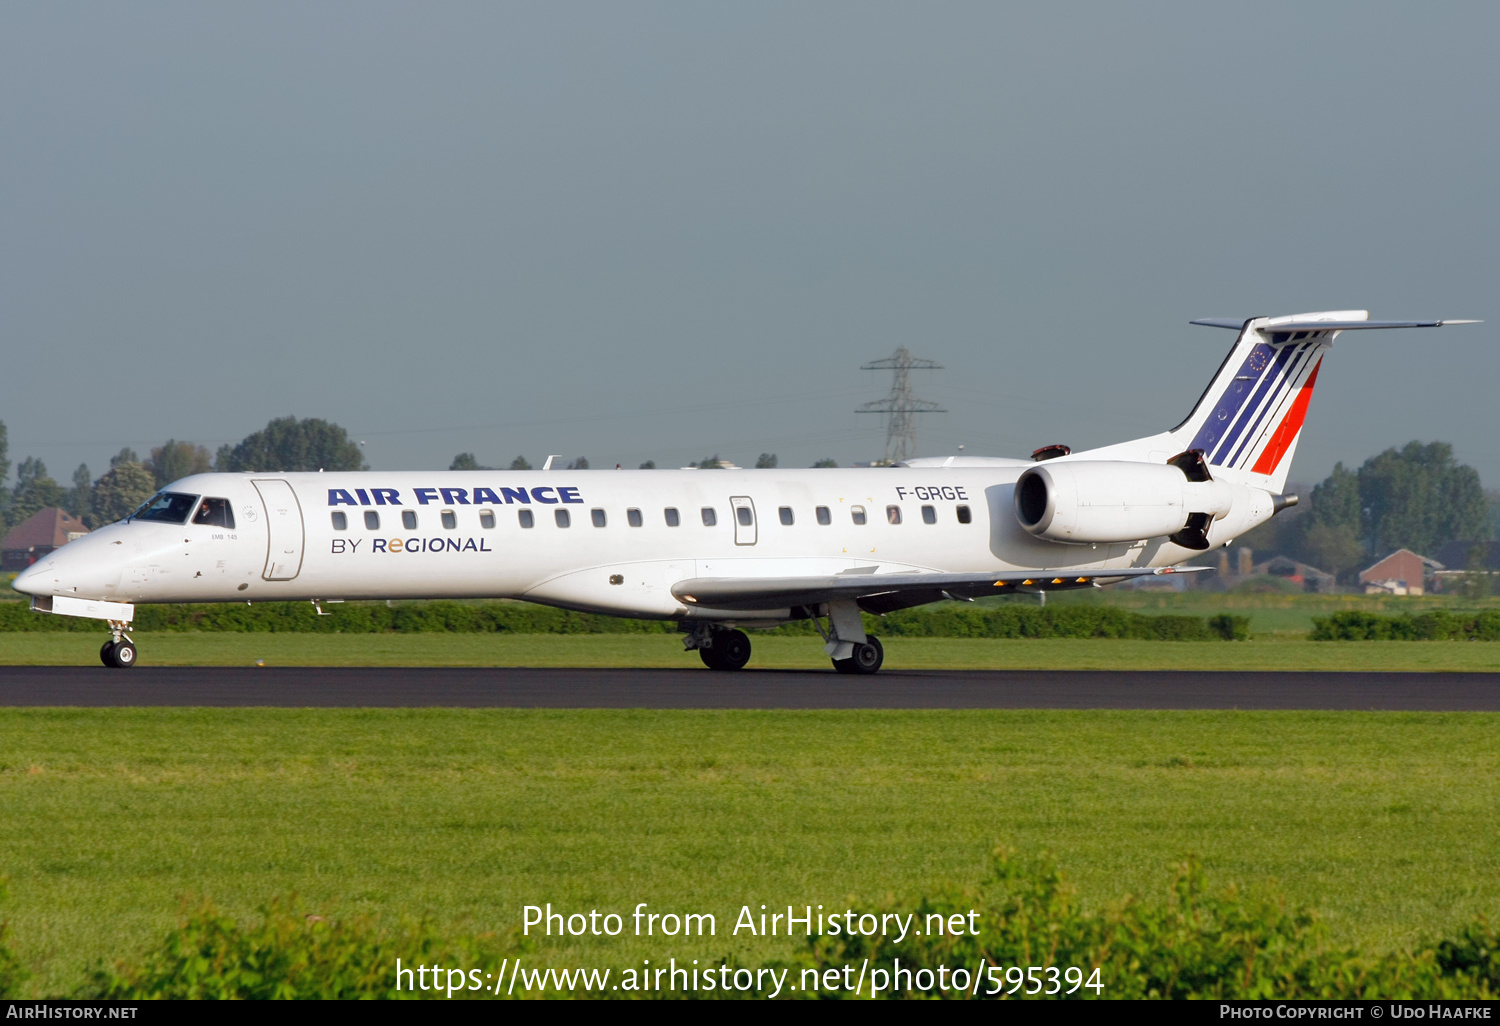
x=901, y=406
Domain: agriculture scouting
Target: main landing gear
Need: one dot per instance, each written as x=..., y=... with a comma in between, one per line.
x=847, y=644
x=119, y=651
x=865, y=659
x=719, y=648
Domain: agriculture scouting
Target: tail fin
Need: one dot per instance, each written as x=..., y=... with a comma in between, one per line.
x=1249, y=419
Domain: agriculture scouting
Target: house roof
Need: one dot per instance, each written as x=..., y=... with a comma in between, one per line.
x=46, y=528
x=1455, y=555
x=1379, y=570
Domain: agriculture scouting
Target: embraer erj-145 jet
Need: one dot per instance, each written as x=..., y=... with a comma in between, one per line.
x=718, y=551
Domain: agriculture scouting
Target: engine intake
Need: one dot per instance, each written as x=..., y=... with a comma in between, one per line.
x=1106, y=501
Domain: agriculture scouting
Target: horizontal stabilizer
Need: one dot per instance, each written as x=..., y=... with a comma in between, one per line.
x=1281, y=325
x=887, y=592
x=1356, y=325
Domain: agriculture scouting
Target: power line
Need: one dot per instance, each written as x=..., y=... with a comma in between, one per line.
x=901, y=407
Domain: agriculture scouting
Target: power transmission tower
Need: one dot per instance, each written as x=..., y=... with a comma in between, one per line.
x=901, y=406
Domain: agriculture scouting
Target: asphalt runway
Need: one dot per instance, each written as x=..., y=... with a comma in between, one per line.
x=522, y=688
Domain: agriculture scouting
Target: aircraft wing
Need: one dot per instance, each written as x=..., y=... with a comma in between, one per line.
x=884, y=593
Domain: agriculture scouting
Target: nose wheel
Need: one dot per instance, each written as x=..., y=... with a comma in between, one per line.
x=119, y=651
x=117, y=654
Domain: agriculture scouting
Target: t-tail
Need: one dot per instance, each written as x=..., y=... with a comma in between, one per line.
x=1248, y=421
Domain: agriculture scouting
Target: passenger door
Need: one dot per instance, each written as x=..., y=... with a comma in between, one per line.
x=283, y=529
x=743, y=510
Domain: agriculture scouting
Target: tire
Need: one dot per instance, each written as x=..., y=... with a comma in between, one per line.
x=124, y=655
x=732, y=650
x=867, y=658
x=710, y=657
x=843, y=665
x=107, y=654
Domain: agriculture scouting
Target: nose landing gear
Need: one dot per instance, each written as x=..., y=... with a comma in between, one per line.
x=119, y=651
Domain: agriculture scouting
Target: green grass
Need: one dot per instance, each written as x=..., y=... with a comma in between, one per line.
x=1269, y=613
x=665, y=651
x=1384, y=821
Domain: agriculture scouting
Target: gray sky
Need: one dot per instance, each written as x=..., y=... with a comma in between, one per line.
x=660, y=231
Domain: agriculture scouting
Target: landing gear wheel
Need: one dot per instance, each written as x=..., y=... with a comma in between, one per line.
x=118, y=655
x=731, y=651
x=867, y=658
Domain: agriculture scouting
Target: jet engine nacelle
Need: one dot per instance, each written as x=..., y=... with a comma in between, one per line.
x=1098, y=501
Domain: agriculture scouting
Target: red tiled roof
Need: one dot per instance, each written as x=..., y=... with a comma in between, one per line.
x=1403, y=564
x=47, y=528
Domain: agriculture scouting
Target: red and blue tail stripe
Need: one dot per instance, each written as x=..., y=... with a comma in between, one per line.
x=1261, y=409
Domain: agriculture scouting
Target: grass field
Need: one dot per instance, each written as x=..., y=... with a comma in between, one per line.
x=1385, y=822
x=1270, y=614
x=665, y=650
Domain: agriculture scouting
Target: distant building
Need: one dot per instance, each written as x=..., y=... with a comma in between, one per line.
x=1455, y=557
x=1310, y=577
x=38, y=535
x=1403, y=572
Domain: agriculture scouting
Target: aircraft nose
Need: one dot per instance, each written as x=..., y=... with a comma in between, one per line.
x=27, y=580
x=77, y=568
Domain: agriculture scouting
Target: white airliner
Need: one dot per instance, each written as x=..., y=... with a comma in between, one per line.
x=717, y=550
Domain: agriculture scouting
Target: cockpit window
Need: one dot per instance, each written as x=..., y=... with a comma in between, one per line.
x=167, y=507
x=215, y=513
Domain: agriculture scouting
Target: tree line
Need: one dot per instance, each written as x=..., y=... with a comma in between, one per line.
x=284, y=445
x=1417, y=497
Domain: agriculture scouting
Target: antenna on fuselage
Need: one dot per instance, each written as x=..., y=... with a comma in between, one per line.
x=548, y=464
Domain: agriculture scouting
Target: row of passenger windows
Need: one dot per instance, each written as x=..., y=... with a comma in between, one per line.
x=633, y=517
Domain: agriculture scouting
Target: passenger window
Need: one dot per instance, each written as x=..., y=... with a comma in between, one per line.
x=633, y=517
x=450, y=520
x=486, y=518
x=893, y=514
x=214, y=513
x=929, y=515
x=786, y=515
x=340, y=520
x=562, y=518
x=963, y=515
x=744, y=515
x=409, y=519
x=710, y=518
x=824, y=517
x=858, y=513
x=372, y=520
x=599, y=518
x=525, y=517
x=672, y=518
